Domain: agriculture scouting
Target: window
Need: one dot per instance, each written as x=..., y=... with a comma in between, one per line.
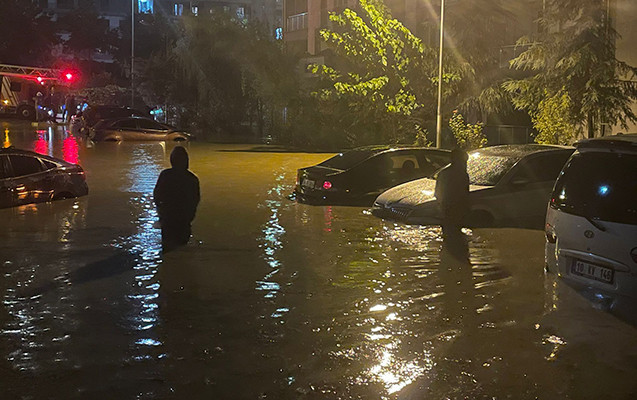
x=178, y=9
x=25, y=165
x=241, y=13
x=600, y=186
x=126, y=124
x=4, y=171
x=544, y=168
x=487, y=170
x=149, y=125
x=195, y=10
x=48, y=164
x=145, y=6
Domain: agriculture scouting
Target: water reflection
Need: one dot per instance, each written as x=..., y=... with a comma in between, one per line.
x=145, y=247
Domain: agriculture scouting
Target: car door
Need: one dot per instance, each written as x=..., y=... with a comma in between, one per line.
x=29, y=180
x=528, y=189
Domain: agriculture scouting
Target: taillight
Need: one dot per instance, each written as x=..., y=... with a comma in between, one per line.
x=633, y=254
x=327, y=185
x=550, y=234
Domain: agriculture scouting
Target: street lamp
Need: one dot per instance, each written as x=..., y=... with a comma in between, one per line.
x=439, y=114
x=132, y=54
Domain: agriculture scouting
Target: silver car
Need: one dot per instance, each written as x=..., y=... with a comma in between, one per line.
x=135, y=129
x=510, y=185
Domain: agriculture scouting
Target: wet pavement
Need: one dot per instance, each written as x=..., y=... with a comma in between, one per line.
x=277, y=300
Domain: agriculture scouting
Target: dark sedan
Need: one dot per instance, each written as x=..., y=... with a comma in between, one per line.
x=135, y=129
x=510, y=185
x=357, y=176
x=27, y=177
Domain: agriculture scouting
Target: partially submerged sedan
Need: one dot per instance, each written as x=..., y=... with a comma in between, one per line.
x=510, y=185
x=27, y=177
x=358, y=176
x=135, y=129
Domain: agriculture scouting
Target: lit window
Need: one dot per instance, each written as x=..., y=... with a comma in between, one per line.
x=195, y=10
x=278, y=33
x=145, y=6
x=179, y=9
x=241, y=13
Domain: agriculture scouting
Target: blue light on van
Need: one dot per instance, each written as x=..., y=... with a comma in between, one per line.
x=603, y=190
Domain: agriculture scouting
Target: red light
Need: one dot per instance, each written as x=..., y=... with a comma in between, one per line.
x=68, y=76
x=327, y=185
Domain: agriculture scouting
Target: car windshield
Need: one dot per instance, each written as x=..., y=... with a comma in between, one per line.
x=599, y=185
x=346, y=160
x=487, y=170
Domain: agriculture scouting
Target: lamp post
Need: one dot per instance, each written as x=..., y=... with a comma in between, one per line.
x=132, y=54
x=439, y=113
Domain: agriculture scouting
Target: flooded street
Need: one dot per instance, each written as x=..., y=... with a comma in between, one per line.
x=277, y=300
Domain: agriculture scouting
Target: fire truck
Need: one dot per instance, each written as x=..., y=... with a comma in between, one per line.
x=25, y=90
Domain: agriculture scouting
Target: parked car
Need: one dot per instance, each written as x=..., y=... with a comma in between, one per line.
x=87, y=118
x=510, y=185
x=27, y=177
x=591, y=222
x=357, y=176
x=133, y=129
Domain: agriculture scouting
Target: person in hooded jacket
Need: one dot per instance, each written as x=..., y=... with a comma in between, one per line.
x=452, y=191
x=176, y=198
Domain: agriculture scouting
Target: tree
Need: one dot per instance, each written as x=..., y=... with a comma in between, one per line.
x=87, y=32
x=468, y=136
x=551, y=119
x=27, y=35
x=225, y=76
x=385, y=88
x=575, y=55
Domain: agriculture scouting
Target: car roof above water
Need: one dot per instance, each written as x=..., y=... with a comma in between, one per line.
x=625, y=142
x=518, y=150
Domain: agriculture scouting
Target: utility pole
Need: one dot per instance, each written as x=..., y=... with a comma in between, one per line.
x=132, y=54
x=439, y=113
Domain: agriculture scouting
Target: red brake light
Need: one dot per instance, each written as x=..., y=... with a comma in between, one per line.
x=327, y=185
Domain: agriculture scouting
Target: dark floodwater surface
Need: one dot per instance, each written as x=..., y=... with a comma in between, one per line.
x=278, y=300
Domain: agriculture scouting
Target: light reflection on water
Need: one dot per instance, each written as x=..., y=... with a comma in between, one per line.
x=145, y=247
x=284, y=300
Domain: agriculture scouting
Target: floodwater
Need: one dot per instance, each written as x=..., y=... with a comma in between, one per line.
x=277, y=300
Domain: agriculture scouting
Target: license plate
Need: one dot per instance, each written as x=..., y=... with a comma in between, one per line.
x=308, y=183
x=592, y=271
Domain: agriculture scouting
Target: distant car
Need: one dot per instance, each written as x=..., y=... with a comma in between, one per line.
x=87, y=118
x=510, y=185
x=591, y=222
x=357, y=176
x=135, y=129
x=27, y=177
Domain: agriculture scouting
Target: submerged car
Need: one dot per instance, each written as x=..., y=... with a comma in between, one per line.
x=135, y=129
x=358, y=176
x=28, y=177
x=591, y=221
x=510, y=185
x=93, y=114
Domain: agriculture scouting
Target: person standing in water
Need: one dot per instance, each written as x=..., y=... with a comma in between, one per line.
x=176, y=197
x=452, y=191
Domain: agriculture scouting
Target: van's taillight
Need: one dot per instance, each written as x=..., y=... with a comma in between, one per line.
x=633, y=254
x=327, y=185
x=550, y=234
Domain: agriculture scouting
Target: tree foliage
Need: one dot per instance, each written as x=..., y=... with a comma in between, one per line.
x=227, y=77
x=551, y=119
x=385, y=87
x=575, y=54
x=468, y=136
x=27, y=35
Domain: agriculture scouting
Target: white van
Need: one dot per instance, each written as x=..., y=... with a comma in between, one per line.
x=591, y=222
